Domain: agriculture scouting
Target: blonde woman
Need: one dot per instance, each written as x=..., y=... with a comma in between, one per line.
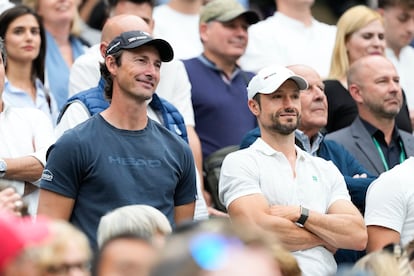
x=66, y=251
x=385, y=262
x=360, y=32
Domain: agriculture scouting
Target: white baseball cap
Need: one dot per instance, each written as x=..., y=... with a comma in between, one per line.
x=271, y=78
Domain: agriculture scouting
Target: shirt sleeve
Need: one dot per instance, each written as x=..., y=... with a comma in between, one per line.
x=63, y=171
x=186, y=190
x=238, y=177
x=385, y=203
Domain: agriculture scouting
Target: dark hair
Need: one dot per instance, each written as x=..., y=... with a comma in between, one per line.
x=112, y=3
x=7, y=17
x=106, y=75
x=3, y=52
x=407, y=4
x=257, y=98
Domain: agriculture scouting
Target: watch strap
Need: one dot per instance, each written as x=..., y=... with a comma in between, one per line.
x=3, y=168
x=304, y=214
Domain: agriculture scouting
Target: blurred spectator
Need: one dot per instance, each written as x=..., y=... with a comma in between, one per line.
x=218, y=247
x=385, y=262
x=125, y=254
x=177, y=22
x=218, y=84
x=25, y=41
x=5, y=4
x=339, y=7
x=19, y=240
x=142, y=220
x=291, y=36
x=66, y=251
x=360, y=32
x=64, y=45
x=10, y=201
x=26, y=134
x=399, y=31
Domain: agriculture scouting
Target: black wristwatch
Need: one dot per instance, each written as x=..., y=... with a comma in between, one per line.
x=3, y=168
x=304, y=214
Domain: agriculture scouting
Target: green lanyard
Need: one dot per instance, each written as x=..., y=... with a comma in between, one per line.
x=384, y=162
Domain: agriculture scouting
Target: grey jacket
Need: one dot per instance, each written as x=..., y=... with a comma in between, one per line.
x=356, y=139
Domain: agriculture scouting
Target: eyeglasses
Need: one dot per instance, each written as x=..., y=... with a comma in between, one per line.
x=65, y=268
x=210, y=251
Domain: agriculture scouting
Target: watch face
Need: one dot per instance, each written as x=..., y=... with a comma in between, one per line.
x=3, y=166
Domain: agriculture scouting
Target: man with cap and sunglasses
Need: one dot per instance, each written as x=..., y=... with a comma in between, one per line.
x=278, y=187
x=119, y=156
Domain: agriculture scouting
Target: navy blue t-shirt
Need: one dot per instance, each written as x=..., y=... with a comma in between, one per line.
x=102, y=168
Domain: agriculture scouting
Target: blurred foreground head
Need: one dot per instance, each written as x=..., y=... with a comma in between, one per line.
x=218, y=247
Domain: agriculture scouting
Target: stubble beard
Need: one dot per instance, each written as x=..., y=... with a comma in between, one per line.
x=284, y=128
x=383, y=112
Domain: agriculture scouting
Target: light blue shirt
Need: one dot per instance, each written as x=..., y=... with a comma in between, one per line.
x=16, y=97
x=57, y=70
x=307, y=146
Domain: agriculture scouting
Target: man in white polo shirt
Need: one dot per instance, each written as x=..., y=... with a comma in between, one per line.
x=276, y=186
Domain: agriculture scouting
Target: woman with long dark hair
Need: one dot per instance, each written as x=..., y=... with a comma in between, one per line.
x=24, y=39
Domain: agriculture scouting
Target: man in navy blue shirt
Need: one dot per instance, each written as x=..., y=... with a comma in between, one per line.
x=120, y=156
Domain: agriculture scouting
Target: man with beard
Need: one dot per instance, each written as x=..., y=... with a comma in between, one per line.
x=277, y=187
x=373, y=138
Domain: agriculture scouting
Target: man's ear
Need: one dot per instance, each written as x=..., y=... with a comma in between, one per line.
x=355, y=91
x=203, y=29
x=110, y=63
x=254, y=107
x=102, y=48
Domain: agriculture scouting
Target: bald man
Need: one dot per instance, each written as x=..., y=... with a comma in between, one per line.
x=373, y=138
x=76, y=111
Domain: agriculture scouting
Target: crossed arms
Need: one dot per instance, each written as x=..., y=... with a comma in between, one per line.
x=341, y=227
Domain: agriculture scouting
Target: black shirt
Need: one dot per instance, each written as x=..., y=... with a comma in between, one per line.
x=394, y=152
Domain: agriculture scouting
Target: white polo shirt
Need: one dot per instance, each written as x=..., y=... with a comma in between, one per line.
x=260, y=169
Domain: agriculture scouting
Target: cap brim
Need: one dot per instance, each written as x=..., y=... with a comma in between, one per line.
x=273, y=86
x=164, y=48
x=301, y=82
x=250, y=16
